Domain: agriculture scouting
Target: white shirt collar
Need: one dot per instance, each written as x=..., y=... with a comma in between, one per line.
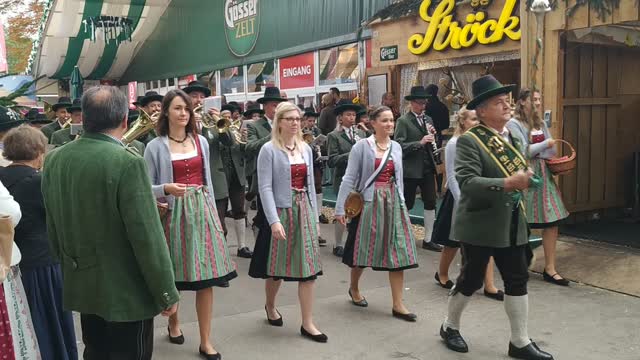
x=269, y=120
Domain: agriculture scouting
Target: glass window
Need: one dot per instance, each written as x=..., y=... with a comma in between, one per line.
x=261, y=75
x=172, y=82
x=232, y=80
x=163, y=83
x=339, y=65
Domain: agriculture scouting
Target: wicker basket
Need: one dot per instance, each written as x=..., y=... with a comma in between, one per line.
x=563, y=165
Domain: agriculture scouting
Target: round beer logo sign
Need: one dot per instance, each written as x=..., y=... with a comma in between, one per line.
x=241, y=25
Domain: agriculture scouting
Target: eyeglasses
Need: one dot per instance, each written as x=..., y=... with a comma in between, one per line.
x=292, y=119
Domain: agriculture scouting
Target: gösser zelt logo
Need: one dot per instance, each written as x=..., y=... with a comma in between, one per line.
x=241, y=25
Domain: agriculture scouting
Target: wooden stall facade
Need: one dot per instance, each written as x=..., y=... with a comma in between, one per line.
x=592, y=88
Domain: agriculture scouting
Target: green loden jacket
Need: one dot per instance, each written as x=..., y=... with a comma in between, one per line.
x=64, y=136
x=50, y=128
x=215, y=139
x=104, y=227
x=485, y=210
x=338, y=148
x=416, y=160
x=258, y=134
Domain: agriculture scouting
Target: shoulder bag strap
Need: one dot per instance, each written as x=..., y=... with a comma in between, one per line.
x=378, y=170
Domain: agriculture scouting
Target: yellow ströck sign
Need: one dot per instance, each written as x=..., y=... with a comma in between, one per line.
x=443, y=32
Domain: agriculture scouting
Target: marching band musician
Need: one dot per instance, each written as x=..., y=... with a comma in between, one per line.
x=177, y=161
x=362, y=121
x=339, y=144
x=61, y=117
x=309, y=122
x=285, y=247
x=258, y=134
x=413, y=135
x=150, y=103
x=380, y=237
x=63, y=136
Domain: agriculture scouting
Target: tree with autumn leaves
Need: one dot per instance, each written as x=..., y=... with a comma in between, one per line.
x=21, y=29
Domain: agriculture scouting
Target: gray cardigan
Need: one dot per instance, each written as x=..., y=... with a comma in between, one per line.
x=361, y=166
x=541, y=150
x=158, y=157
x=274, y=180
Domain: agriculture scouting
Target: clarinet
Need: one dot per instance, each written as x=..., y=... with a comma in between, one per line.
x=433, y=149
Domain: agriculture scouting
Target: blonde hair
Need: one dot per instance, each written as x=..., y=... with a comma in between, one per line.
x=276, y=136
x=460, y=116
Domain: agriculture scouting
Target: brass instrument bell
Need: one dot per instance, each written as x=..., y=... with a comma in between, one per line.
x=142, y=126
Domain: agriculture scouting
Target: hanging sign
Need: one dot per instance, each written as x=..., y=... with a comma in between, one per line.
x=296, y=71
x=389, y=53
x=445, y=32
x=241, y=25
x=133, y=92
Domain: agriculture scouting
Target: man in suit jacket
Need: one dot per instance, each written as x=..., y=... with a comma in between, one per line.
x=61, y=117
x=339, y=144
x=104, y=227
x=419, y=169
x=63, y=136
x=327, y=121
x=490, y=219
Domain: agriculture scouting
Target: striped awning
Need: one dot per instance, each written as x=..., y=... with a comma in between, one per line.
x=65, y=39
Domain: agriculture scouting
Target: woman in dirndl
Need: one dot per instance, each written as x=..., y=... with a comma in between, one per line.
x=178, y=162
x=381, y=236
x=464, y=119
x=286, y=247
x=544, y=206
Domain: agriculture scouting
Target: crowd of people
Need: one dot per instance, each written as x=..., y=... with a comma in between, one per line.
x=115, y=227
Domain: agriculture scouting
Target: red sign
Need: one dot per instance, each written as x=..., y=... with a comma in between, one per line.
x=296, y=71
x=4, y=67
x=133, y=92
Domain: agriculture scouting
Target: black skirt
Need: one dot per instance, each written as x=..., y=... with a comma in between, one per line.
x=442, y=225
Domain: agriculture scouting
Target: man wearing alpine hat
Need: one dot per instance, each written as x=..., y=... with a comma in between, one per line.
x=62, y=115
x=490, y=220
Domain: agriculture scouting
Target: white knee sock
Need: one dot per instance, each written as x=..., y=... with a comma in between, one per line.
x=319, y=202
x=338, y=231
x=455, y=307
x=238, y=226
x=517, y=308
x=429, y=219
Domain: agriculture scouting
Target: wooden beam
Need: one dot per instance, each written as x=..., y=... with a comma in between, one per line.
x=591, y=101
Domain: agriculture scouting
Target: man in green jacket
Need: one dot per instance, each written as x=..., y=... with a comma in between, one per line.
x=104, y=227
x=418, y=164
x=61, y=117
x=490, y=219
x=339, y=144
x=63, y=136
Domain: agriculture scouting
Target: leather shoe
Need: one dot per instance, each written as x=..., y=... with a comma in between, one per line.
x=338, y=251
x=215, y=356
x=453, y=340
x=431, y=246
x=322, y=241
x=550, y=278
x=495, y=296
x=321, y=338
x=361, y=303
x=274, y=322
x=447, y=285
x=245, y=253
x=178, y=340
x=529, y=352
x=410, y=317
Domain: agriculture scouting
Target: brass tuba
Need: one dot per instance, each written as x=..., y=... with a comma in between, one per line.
x=143, y=125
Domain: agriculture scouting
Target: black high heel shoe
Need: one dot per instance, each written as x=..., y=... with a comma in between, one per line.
x=448, y=285
x=216, y=356
x=274, y=322
x=178, y=340
x=321, y=338
x=360, y=303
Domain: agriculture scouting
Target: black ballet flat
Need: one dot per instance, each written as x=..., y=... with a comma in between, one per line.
x=178, y=340
x=321, y=338
x=410, y=317
x=495, y=296
x=216, y=356
x=274, y=322
x=448, y=285
x=361, y=303
x=550, y=278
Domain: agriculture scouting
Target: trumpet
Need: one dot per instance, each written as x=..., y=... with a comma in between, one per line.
x=141, y=127
x=221, y=124
x=308, y=138
x=209, y=121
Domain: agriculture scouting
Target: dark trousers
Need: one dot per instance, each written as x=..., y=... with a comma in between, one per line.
x=221, y=206
x=236, y=198
x=427, y=187
x=106, y=340
x=512, y=262
x=317, y=179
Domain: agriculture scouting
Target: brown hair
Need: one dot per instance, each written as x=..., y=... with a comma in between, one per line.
x=534, y=121
x=375, y=113
x=163, y=122
x=24, y=143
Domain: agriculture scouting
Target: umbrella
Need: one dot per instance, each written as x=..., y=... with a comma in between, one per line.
x=76, y=83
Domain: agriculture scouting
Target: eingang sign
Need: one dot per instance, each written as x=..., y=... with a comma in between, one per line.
x=444, y=32
x=241, y=25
